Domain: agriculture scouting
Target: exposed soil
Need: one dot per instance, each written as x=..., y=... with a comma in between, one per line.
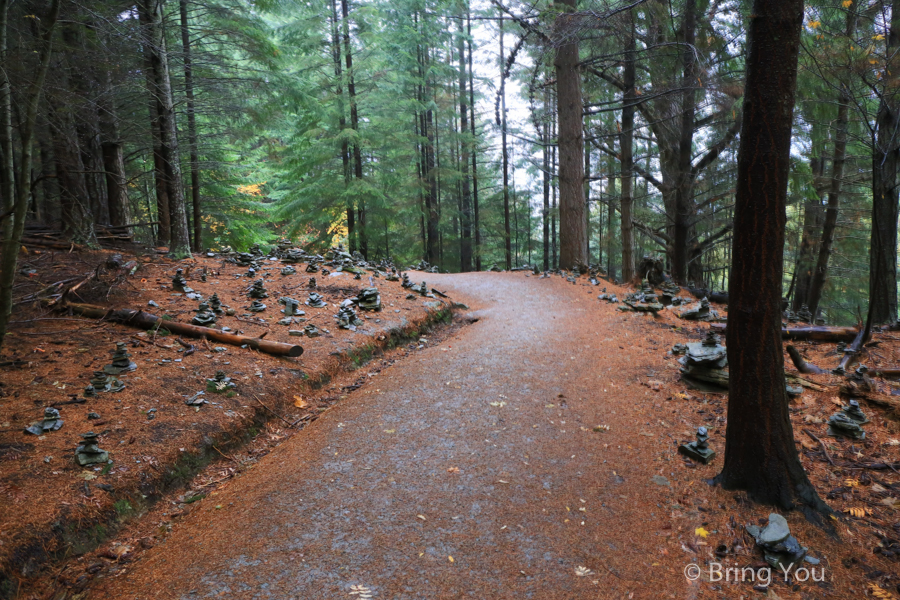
x=475, y=467
x=51, y=506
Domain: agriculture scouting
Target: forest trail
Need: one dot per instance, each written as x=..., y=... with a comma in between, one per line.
x=470, y=469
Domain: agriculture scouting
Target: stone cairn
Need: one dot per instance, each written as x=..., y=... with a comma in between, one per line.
x=205, y=317
x=257, y=290
x=50, y=422
x=215, y=304
x=257, y=306
x=179, y=284
x=406, y=283
x=325, y=272
x=312, y=267
x=312, y=331
x=780, y=548
x=346, y=317
x=288, y=271
x=357, y=276
x=369, y=299
x=705, y=363
x=804, y=315
x=611, y=298
x=421, y=290
x=293, y=256
x=699, y=449
x=848, y=422
x=311, y=284
x=645, y=300
x=291, y=307
x=392, y=276
x=251, y=273
x=121, y=361
x=699, y=312
x=316, y=301
x=670, y=293
x=220, y=383
x=88, y=451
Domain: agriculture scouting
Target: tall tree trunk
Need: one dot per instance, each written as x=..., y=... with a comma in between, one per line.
x=626, y=150
x=75, y=202
x=572, y=235
x=465, y=258
x=9, y=252
x=161, y=90
x=337, y=52
x=192, y=126
x=8, y=168
x=354, y=125
x=610, y=219
x=760, y=453
x=546, y=212
x=475, y=207
x=885, y=162
x=684, y=190
x=113, y=158
x=813, y=219
x=587, y=198
x=507, y=232
x=554, y=185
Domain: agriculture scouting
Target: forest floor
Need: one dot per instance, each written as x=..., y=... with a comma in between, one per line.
x=532, y=454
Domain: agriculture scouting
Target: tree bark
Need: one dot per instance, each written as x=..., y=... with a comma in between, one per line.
x=465, y=250
x=113, y=158
x=150, y=12
x=8, y=168
x=810, y=237
x=9, y=252
x=572, y=234
x=684, y=183
x=475, y=207
x=507, y=232
x=354, y=125
x=760, y=455
x=337, y=52
x=885, y=162
x=546, y=211
x=626, y=143
x=197, y=238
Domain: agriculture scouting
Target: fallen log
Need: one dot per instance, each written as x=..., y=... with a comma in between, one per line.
x=885, y=372
x=851, y=354
x=720, y=297
x=818, y=333
x=145, y=320
x=802, y=365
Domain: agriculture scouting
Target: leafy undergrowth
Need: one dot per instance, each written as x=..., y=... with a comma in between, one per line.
x=52, y=508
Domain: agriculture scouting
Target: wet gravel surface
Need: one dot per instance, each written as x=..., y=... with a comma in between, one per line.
x=468, y=470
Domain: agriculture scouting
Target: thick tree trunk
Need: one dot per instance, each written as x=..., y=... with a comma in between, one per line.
x=192, y=127
x=336, y=53
x=572, y=235
x=354, y=125
x=75, y=203
x=465, y=250
x=684, y=185
x=885, y=162
x=626, y=142
x=760, y=455
x=546, y=211
x=161, y=91
x=7, y=168
x=9, y=251
x=113, y=159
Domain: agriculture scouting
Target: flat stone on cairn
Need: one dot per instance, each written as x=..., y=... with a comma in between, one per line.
x=316, y=301
x=312, y=268
x=312, y=331
x=699, y=312
x=215, y=304
x=405, y=282
x=698, y=450
x=291, y=307
x=257, y=306
x=257, y=290
x=120, y=361
x=347, y=318
x=704, y=366
x=841, y=425
x=99, y=383
x=204, y=317
x=369, y=299
x=179, y=284
x=854, y=413
x=51, y=422
x=88, y=452
x=288, y=271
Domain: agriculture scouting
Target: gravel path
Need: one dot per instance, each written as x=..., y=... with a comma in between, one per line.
x=468, y=470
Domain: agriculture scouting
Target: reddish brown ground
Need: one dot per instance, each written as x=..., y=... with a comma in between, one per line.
x=472, y=469
x=54, y=356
